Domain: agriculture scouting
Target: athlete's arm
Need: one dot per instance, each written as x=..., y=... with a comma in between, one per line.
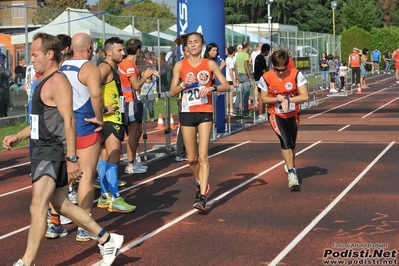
x=175, y=85
x=90, y=75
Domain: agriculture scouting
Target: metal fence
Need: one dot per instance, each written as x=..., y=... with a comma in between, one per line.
x=157, y=36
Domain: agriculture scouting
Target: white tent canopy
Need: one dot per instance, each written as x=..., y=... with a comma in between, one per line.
x=73, y=21
x=135, y=33
x=252, y=36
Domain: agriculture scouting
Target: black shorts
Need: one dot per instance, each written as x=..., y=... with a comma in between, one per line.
x=194, y=119
x=55, y=169
x=109, y=128
x=286, y=129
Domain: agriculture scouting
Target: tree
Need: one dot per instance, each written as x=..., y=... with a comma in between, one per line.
x=145, y=14
x=50, y=9
x=365, y=17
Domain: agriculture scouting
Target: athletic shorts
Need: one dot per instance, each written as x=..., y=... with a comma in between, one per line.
x=194, y=119
x=111, y=128
x=286, y=129
x=57, y=170
x=87, y=141
x=376, y=62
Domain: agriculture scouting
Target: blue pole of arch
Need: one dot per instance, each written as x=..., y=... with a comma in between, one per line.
x=208, y=18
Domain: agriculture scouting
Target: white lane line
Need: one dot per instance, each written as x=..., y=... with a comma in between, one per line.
x=14, y=166
x=341, y=129
x=380, y=107
x=128, y=188
x=339, y=106
x=305, y=231
x=187, y=214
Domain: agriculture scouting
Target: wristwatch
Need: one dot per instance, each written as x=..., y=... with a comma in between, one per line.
x=72, y=158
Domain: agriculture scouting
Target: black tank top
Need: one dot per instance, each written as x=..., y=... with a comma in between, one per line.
x=48, y=124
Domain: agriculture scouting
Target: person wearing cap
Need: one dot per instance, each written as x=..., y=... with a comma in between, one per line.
x=395, y=58
x=354, y=64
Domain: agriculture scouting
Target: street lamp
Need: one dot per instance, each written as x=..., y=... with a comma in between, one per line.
x=334, y=6
x=269, y=20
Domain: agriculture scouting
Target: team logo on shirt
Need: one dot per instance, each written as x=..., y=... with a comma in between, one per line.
x=288, y=86
x=203, y=77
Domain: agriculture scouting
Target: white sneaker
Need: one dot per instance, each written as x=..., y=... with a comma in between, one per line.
x=65, y=220
x=378, y=72
x=73, y=196
x=292, y=180
x=20, y=263
x=140, y=165
x=333, y=90
x=134, y=170
x=110, y=249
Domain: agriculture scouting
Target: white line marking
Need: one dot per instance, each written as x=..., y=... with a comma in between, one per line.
x=339, y=106
x=128, y=188
x=187, y=214
x=380, y=108
x=344, y=127
x=305, y=231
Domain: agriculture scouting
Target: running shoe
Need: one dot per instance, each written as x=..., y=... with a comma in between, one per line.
x=180, y=159
x=104, y=203
x=20, y=263
x=119, y=205
x=198, y=192
x=97, y=183
x=54, y=231
x=73, y=196
x=63, y=219
x=110, y=249
x=292, y=180
x=84, y=235
x=140, y=165
x=200, y=203
x=134, y=170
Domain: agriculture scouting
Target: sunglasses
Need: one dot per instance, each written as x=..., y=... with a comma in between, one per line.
x=280, y=69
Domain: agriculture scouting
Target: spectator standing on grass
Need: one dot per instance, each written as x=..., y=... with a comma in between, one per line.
x=323, y=63
x=336, y=77
x=343, y=69
x=376, y=59
x=245, y=79
x=145, y=90
x=331, y=72
x=387, y=60
x=261, y=68
x=231, y=77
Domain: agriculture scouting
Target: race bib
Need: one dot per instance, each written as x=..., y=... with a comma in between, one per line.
x=279, y=108
x=34, y=127
x=191, y=98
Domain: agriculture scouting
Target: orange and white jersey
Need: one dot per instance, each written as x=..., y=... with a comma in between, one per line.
x=204, y=76
x=354, y=59
x=287, y=87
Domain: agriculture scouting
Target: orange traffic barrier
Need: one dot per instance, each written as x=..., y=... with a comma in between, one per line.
x=359, y=90
x=160, y=124
x=172, y=123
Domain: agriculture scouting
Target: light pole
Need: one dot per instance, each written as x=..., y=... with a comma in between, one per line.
x=333, y=7
x=269, y=20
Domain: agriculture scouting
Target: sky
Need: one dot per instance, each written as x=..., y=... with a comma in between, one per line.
x=172, y=3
